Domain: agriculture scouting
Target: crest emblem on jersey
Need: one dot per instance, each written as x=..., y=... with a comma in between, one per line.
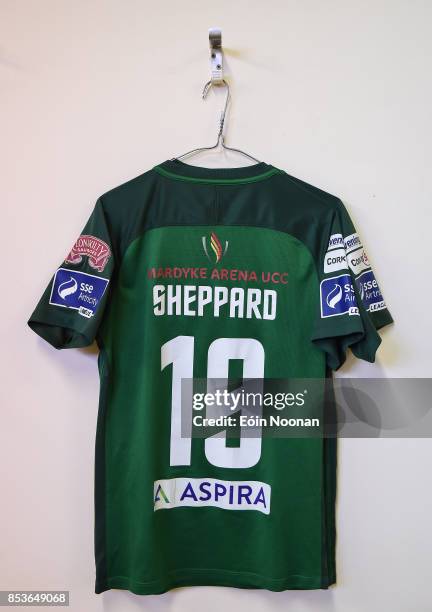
x=215, y=246
x=97, y=251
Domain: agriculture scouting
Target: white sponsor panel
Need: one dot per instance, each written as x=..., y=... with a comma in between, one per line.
x=377, y=306
x=335, y=260
x=201, y=492
x=85, y=312
x=352, y=242
x=358, y=261
x=336, y=241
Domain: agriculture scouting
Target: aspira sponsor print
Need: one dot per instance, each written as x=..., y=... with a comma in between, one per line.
x=200, y=492
x=77, y=290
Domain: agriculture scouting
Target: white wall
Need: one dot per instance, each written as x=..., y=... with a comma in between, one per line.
x=95, y=92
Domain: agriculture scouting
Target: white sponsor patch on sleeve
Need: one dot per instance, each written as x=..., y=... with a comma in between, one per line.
x=358, y=261
x=352, y=242
x=335, y=260
x=336, y=241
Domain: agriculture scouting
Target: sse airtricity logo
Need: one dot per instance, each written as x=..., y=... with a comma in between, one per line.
x=338, y=296
x=67, y=288
x=77, y=290
x=370, y=292
x=215, y=246
x=335, y=296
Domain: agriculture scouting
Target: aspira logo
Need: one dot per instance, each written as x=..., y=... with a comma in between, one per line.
x=215, y=246
x=201, y=492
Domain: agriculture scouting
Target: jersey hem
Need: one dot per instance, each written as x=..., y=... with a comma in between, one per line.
x=197, y=577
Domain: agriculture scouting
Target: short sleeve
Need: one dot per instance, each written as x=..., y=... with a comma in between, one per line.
x=71, y=308
x=351, y=308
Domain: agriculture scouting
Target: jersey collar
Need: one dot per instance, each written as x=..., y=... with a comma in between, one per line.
x=177, y=169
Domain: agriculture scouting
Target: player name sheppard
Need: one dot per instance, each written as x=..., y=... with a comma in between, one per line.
x=202, y=300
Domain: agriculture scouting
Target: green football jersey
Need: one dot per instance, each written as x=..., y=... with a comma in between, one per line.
x=186, y=273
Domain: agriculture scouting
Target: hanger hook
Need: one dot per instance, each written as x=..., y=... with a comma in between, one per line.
x=206, y=89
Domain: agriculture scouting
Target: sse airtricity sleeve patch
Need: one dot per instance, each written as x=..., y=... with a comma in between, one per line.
x=71, y=308
x=338, y=296
x=351, y=305
x=77, y=290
